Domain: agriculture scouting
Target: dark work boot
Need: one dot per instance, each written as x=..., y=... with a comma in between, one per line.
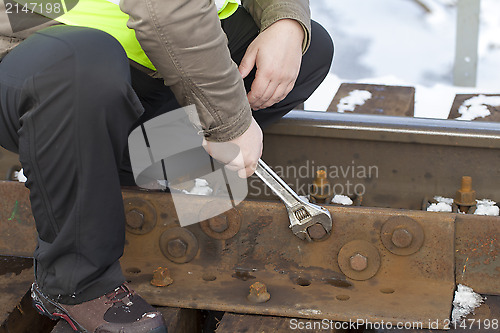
x=120, y=311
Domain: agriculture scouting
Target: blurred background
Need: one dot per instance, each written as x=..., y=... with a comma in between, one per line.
x=408, y=43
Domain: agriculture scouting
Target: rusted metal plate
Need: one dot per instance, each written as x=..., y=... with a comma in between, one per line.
x=478, y=253
x=17, y=226
x=239, y=323
x=385, y=100
x=240, y=253
x=304, y=279
x=461, y=98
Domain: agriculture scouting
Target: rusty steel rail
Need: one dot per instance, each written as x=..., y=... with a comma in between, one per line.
x=396, y=161
x=378, y=264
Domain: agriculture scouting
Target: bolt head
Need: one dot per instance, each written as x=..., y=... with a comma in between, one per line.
x=402, y=238
x=219, y=223
x=316, y=231
x=358, y=262
x=135, y=219
x=177, y=248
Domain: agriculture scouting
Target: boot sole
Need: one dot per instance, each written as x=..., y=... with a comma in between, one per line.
x=48, y=308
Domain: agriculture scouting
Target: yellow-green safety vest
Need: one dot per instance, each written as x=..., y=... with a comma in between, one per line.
x=106, y=15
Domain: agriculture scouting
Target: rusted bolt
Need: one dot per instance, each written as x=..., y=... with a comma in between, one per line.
x=316, y=231
x=135, y=219
x=465, y=196
x=358, y=262
x=401, y=238
x=218, y=223
x=161, y=277
x=177, y=248
x=320, y=188
x=258, y=293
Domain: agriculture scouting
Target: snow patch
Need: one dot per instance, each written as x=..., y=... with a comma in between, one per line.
x=465, y=301
x=342, y=200
x=487, y=207
x=355, y=98
x=200, y=188
x=448, y=201
x=19, y=175
x=477, y=106
x=439, y=207
x=443, y=205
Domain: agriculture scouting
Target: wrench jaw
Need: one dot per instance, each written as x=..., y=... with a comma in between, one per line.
x=310, y=222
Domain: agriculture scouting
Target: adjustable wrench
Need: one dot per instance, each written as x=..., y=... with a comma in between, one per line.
x=307, y=221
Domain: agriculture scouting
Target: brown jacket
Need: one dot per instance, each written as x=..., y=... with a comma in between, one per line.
x=185, y=42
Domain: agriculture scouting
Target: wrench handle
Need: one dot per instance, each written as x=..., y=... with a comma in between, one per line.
x=277, y=185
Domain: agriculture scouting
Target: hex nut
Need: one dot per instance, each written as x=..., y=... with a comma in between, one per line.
x=316, y=231
x=218, y=223
x=135, y=219
x=358, y=262
x=177, y=248
x=401, y=237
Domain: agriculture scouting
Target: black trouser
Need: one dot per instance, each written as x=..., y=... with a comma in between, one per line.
x=67, y=103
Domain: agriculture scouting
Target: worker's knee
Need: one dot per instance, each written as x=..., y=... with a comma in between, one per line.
x=321, y=48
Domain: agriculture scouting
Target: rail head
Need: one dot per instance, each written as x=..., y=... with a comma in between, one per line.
x=389, y=128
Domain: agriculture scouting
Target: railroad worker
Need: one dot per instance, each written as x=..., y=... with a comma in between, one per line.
x=69, y=96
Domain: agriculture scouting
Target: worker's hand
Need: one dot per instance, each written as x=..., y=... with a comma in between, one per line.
x=240, y=154
x=277, y=53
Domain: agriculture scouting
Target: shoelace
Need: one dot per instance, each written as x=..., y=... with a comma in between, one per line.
x=119, y=295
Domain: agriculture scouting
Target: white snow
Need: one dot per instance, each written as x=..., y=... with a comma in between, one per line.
x=465, y=301
x=448, y=201
x=19, y=175
x=484, y=206
x=439, y=207
x=398, y=42
x=355, y=98
x=487, y=207
x=477, y=106
x=342, y=200
x=200, y=187
x=443, y=205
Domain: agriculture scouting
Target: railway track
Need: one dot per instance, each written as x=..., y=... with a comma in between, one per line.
x=386, y=260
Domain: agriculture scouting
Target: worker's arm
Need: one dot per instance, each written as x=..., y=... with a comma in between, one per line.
x=185, y=42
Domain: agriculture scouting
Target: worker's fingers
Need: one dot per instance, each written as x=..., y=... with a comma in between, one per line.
x=279, y=94
x=256, y=96
x=247, y=172
x=260, y=86
x=248, y=61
